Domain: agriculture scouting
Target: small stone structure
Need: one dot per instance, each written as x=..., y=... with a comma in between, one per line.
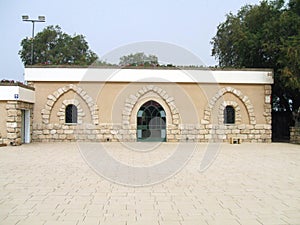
x=16, y=100
x=14, y=121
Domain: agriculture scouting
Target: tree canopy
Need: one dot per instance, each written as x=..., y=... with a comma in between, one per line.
x=265, y=36
x=138, y=59
x=53, y=46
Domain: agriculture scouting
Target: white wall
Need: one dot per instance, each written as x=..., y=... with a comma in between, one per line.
x=17, y=93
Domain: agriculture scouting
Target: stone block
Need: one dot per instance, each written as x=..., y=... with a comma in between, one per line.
x=91, y=137
x=250, y=127
x=11, y=135
x=257, y=136
x=60, y=131
x=49, y=126
x=68, y=131
x=170, y=99
x=12, y=125
x=209, y=126
x=220, y=132
x=13, y=119
x=222, y=137
x=242, y=126
x=37, y=132
x=175, y=131
x=62, y=136
x=208, y=136
x=10, y=130
x=176, y=121
x=171, y=136
x=254, y=132
x=50, y=103
x=235, y=131
x=12, y=112
x=267, y=126
x=184, y=131
x=246, y=131
x=204, y=122
x=41, y=137
x=176, y=116
x=178, y=136
x=11, y=106
x=191, y=137
x=259, y=126
x=200, y=137
x=95, y=131
x=70, y=137
x=46, y=117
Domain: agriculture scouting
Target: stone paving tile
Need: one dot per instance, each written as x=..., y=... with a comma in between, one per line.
x=50, y=183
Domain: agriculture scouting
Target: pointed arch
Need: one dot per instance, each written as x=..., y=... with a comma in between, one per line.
x=246, y=101
x=132, y=100
x=52, y=98
x=237, y=109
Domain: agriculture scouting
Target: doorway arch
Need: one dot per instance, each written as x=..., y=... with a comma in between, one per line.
x=151, y=122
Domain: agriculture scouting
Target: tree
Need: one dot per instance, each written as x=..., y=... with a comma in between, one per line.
x=265, y=36
x=138, y=59
x=52, y=46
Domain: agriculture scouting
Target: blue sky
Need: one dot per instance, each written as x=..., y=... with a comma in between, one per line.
x=108, y=25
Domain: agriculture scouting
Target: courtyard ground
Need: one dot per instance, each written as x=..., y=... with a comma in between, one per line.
x=57, y=183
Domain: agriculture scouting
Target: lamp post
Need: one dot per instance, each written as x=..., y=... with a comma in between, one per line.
x=25, y=18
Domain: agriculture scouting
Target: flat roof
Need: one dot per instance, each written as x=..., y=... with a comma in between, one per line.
x=17, y=92
x=149, y=75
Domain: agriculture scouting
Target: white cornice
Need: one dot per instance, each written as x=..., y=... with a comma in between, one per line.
x=149, y=75
x=17, y=93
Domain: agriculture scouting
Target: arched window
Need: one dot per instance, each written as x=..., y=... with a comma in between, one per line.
x=229, y=115
x=151, y=122
x=71, y=114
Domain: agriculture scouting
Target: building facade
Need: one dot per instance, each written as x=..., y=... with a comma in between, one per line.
x=153, y=104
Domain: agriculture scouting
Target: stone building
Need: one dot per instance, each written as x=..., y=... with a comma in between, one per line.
x=16, y=108
x=149, y=104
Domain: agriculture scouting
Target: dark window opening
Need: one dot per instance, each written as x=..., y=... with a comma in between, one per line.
x=71, y=114
x=229, y=115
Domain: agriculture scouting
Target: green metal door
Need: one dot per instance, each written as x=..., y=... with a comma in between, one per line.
x=151, y=122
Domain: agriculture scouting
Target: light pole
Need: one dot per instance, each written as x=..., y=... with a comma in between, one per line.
x=26, y=19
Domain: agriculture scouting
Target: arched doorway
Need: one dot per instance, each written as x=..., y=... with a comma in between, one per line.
x=151, y=122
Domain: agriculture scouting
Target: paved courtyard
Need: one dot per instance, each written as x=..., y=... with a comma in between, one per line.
x=59, y=183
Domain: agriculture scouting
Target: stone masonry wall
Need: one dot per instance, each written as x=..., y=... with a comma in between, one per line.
x=3, y=140
x=185, y=133
x=14, y=120
x=295, y=135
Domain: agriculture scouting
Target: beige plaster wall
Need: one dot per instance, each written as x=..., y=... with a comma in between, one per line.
x=190, y=99
x=189, y=104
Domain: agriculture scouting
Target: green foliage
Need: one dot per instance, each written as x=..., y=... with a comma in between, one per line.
x=138, y=59
x=265, y=36
x=103, y=63
x=52, y=46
